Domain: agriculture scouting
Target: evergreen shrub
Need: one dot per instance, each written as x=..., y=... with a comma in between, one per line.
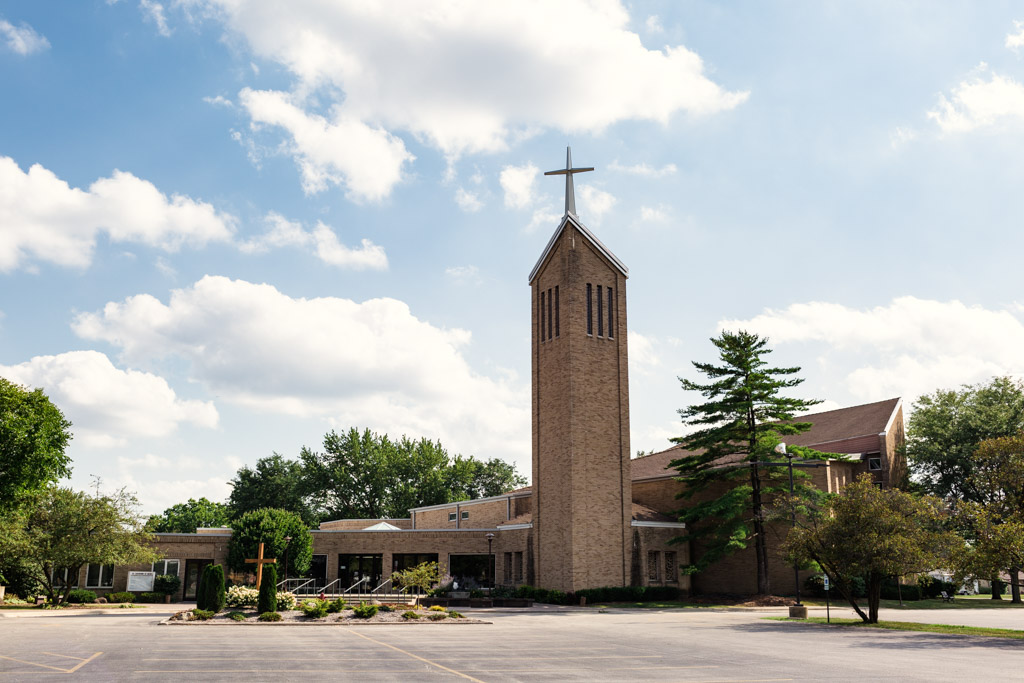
x=203, y=614
x=80, y=595
x=336, y=605
x=121, y=596
x=270, y=616
x=456, y=615
x=153, y=596
x=213, y=586
x=237, y=616
x=268, y=590
x=437, y=616
x=364, y=611
x=315, y=609
x=409, y=614
x=168, y=584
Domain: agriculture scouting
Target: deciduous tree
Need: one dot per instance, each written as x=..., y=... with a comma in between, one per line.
x=734, y=432
x=185, y=518
x=33, y=438
x=270, y=526
x=275, y=482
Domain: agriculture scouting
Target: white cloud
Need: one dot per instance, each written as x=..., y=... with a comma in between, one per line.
x=219, y=101
x=106, y=405
x=22, y=39
x=642, y=354
x=282, y=232
x=370, y=364
x=594, y=204
x=156, y=494
x=979, y=102
x=519, y=183
x=1015, y=41
x=909, y=347
x=468, y=201
x=644, y=169
x=463, y=77
x=653, y=24
x=46, y=219
x=654, y=214
x=544, y=217
x=365, y=160
x=463, y=275
x=154, y=12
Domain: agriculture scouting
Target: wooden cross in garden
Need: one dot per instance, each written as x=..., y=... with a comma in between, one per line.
x=259, y=562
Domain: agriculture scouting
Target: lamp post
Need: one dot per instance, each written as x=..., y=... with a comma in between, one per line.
x=490, y=561
x=781, y=448
x=287, y=541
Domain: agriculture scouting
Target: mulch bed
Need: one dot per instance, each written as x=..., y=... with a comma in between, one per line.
x=344, y=618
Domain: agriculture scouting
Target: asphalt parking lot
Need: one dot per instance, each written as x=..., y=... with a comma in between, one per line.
x=536, y=645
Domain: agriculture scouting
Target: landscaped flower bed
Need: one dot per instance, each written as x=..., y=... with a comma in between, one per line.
x=349, y=615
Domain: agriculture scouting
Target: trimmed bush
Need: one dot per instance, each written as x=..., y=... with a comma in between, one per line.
x=203, y=614
x=315, y=609
x=437, y=608
x=212, y=591
x=456, y=615
x=122, y=596
x=336, y=605
x=437, y=616
x=270, y=616
x=385, y=608
x=201, y=593
x=151, y=597
x=168, y=584
x=409, y=614
x=890, y=591
x=237, y=616
x=81, y=596
x=268, y=590
x=364, y=611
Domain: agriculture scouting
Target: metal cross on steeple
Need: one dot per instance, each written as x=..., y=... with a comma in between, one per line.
x=570, y=194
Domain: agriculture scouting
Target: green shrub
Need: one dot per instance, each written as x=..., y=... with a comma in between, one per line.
x=437, y=608
x=437, y=616
x=909, y=593
x=385, y=608
x=476, y=593
x=409, y=614
x=80, y=595
x=168, y=584
x=237, y=616
x=268, y=590
x=151, y=597
x=315, y=609
x=122, y=596
x=203, y=614
x=456, y=615
x=202, y=594
x=984, y=590
x=270, y=616
x=364, y=611
x=216, y=595
x=931, y=587
x=336, y=605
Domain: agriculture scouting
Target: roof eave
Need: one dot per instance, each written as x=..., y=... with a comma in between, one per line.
x=591, y=237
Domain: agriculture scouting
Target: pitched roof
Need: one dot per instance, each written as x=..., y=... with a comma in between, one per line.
x=571, y=219
x=827, y=427
x=382, y=526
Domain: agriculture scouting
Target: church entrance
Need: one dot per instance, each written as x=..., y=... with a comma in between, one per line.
x=352, y=568
x=193, y=577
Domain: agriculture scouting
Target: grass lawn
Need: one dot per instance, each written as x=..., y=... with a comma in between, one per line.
x=667, y=604
x=961, y=602
x=911, y=626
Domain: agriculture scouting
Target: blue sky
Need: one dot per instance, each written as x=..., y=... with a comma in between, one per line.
x=227, y=227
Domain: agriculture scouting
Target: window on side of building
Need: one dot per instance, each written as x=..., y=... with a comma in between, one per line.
x=875, y=463
x=590, y=311
x=550, y=313
x=600, y=312
x=99, y=576
x=465, y=514
x=671, y=568
x=653, y=568
x=162, y=567
x=452, y=516
x=60, y=577
x=519, y=566
x=541, y=321
x=557, y=309
x=508, y=567
x=610, y=333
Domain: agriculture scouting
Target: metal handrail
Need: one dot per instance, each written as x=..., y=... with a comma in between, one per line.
x=326, y=589
x=347, y=590
x=297, y=588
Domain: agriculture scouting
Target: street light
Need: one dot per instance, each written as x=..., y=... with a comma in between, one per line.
x=287, y=540
x=781, y=449
x=490, y=560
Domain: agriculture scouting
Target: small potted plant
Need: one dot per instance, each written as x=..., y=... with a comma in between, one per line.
x=168, y=584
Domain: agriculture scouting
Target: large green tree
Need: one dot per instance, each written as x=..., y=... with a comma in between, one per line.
x=370, y=476
x=60, y=529
x=33, y=438
x=734, y=433
x=275, y=482
x=947, y=426
x=185, y=518
x=875, y=534
x=271, y=527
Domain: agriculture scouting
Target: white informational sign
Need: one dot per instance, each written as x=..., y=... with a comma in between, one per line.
x=826, y=581
x=141, y=581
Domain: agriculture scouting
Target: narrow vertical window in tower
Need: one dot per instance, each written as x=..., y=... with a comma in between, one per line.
x=600, y=312
x=557, y=310
x=549, y=313
x=590, y=312
x=540, y=323
x=610, y=328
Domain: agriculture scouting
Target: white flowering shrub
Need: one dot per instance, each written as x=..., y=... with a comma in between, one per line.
x=248, y=596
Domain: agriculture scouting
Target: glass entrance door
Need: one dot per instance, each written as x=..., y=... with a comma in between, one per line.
x=352, y=568
x=193, y=577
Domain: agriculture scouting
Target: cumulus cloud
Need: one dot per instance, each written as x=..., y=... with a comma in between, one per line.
x=468, y=201
x=107, y=405
x=643, y=169
x=219, y=101
x=463, y=275
x=985, y=100
x=1015, y=41
x=518, y=183
x=642, y=354
x=22, y=39
x=653, y=24
x=342, y=150
x=544, y=217
x=154, y=12
x=466, y=77
x=909, y=347
x=282, y=232
x=370, y=364
x=654, y=214
x=594, y=203
x=45, y=219
x=157, y=494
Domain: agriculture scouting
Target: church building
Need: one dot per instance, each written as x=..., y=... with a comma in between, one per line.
x=593, y=517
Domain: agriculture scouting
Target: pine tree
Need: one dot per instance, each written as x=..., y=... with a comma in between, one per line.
x=202, y=599
x=267, y=601
x=216, y=595
x=734, y=432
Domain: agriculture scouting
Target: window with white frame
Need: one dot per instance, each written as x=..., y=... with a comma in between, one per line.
x=465, y=514
x=59, y=577
x=452, y=516
x=99, y=576
x=875, y=463
x=162, y=567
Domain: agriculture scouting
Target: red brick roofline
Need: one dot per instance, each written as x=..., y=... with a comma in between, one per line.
x=591, y=237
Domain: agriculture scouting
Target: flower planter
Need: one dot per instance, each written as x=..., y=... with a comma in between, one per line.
x=481, y=602
x=513, y=602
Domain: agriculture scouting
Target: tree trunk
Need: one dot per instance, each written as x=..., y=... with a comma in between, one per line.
x=760, y=538
x=1015, y=584
x=995, y=592
x=874, y=596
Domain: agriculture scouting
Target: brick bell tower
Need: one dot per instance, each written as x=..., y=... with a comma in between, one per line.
x=582, y=494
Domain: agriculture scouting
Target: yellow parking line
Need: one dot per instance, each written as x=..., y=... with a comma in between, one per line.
x=78, y=666
x=422, y=659
x=45, y=666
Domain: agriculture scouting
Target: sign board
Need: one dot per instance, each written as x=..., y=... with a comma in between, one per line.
x=826, y=581
x=141, y=581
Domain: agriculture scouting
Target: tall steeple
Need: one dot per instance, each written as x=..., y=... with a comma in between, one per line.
x=582, y=492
